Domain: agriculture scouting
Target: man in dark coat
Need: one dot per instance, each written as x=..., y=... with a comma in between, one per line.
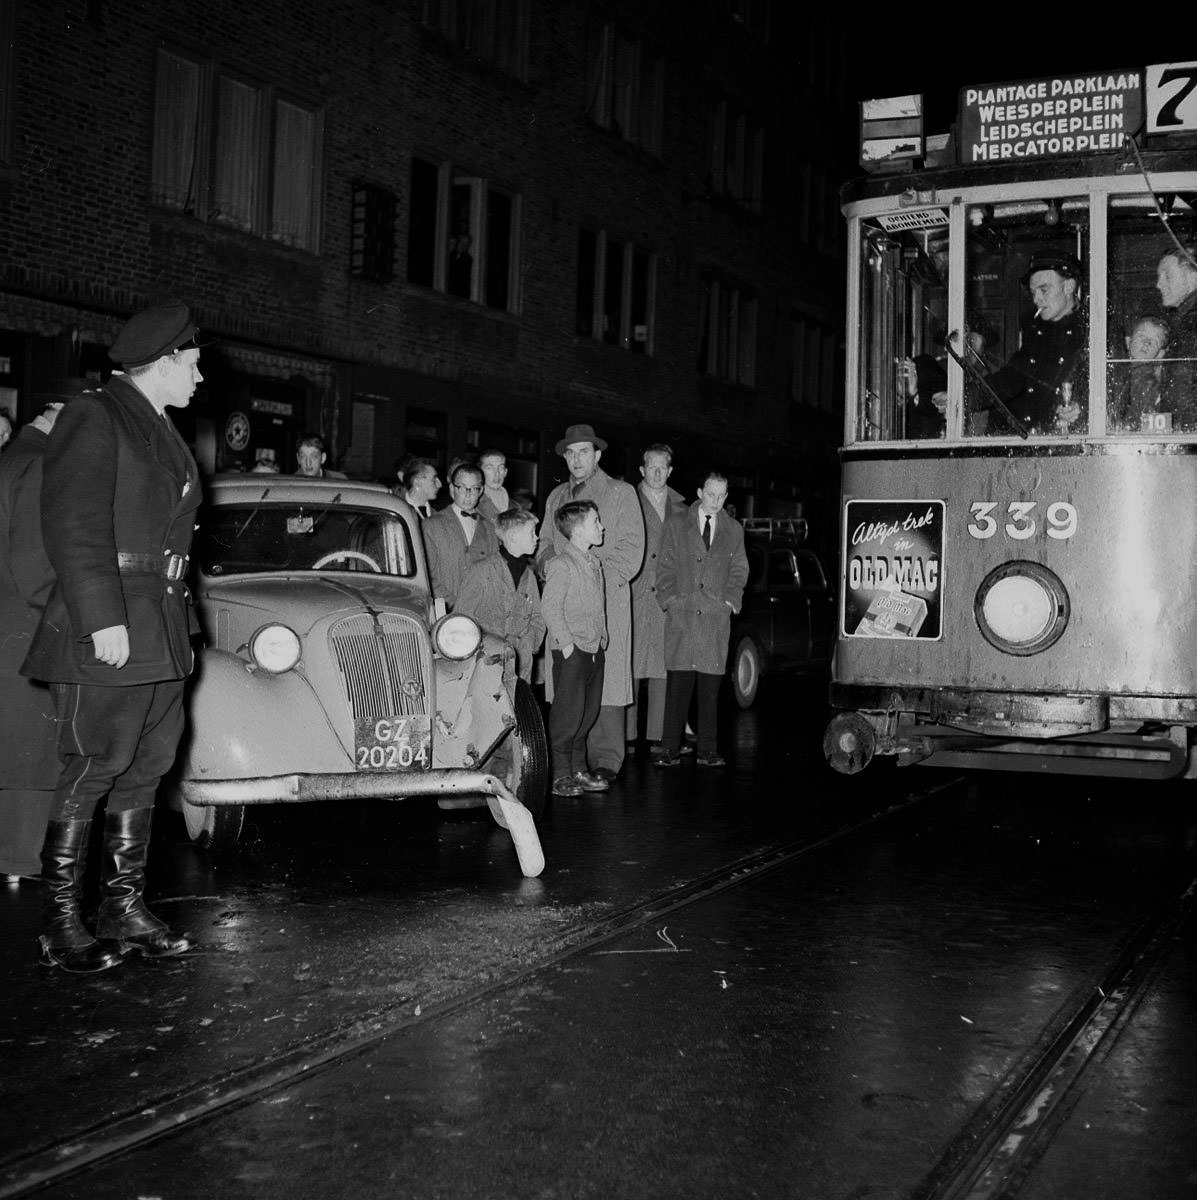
x=28, y=759
x=1176, y=280
x=701, y=573
x=119, y=497
x=1045, y=383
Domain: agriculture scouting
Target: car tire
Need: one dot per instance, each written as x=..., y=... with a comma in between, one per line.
x=214, y=827
x=746, y=672
x=531, y=768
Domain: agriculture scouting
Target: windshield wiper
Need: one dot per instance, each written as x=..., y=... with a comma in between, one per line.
x=977, y=377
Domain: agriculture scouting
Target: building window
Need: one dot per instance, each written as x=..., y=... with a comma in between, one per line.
x=815, y=364
x=463, y=235
x=727, y=333
x=233, y=151
x=494, y=31
x=625, y=87
x=372, y=235
x=8, y=18
x=737, y=151
x=616, y=291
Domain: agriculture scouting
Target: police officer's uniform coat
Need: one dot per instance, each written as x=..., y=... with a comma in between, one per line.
x=117, y=477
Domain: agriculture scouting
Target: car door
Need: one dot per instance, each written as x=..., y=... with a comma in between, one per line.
x=820, y=604
x=788, y=607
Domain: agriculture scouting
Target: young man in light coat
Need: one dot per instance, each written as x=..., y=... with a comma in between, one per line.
x=658, y=502
x=701, y=573
x=621, y=554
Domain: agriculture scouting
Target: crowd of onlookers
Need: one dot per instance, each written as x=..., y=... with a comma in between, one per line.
x=624, y=590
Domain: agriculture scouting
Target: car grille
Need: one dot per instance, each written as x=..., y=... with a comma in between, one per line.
x=385, y=662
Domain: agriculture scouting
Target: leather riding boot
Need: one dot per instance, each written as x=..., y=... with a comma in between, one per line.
x=123, y=914
x=65, y=941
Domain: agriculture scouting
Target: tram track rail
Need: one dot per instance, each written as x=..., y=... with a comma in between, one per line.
x=995, y=1153
x=175, y=1112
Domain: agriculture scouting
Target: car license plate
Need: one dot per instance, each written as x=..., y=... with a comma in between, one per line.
x=393, y=743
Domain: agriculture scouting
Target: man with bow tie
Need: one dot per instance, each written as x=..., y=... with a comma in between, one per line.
x=456, y=536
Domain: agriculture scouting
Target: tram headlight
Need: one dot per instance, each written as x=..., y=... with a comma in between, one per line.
x=1022, y=608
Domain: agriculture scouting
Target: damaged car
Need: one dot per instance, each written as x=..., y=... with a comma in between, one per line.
x=329, y=673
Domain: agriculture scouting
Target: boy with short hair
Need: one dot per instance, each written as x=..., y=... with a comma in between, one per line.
x=501, y=593
x=575, y=615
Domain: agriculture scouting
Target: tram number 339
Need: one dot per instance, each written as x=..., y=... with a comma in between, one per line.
x=1023, y=520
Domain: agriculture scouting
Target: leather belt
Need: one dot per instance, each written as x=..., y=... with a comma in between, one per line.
x=172, y=566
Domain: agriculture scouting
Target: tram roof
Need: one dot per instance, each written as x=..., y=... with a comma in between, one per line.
x=954, y=176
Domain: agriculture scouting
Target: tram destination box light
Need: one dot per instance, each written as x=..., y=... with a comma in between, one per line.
x=891, y=133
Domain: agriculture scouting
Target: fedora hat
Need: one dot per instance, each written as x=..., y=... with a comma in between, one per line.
x=580, y=433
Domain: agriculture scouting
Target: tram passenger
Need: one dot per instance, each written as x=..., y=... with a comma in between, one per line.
x=1141, y=388
x=1045, y=382
x=925, y=380
x=1176, y=280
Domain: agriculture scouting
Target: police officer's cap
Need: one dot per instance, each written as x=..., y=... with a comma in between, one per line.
x=148, y=335
x=1054, y=260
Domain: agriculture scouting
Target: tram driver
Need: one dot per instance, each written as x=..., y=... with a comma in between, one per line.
x=1045, y=382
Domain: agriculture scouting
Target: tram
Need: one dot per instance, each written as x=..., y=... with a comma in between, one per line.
x=1019, y=471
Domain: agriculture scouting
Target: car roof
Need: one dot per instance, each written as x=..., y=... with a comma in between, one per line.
x=251, y=488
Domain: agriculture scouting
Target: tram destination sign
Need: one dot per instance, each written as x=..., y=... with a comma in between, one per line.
x=1050, y=118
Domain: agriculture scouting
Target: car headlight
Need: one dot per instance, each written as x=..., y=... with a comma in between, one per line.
x=1022, y=607
x=456, y=636
x=275, y=648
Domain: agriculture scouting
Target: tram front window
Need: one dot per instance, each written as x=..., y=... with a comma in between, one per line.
x=1152, y=319
x=904, y=305
x=1026, y=273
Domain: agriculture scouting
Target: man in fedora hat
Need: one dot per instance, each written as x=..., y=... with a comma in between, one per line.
x=119, y=496
x=621, y=554
x=1045, y=382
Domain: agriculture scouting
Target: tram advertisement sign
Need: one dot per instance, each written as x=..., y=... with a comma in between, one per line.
x=1047, y=118
x=893, y=569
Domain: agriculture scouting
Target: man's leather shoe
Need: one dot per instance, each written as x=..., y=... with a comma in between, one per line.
x=564, y=785
x=605, y=773
x=591, y=781
x=665, y=759
x=711, y=760
x=686, y=748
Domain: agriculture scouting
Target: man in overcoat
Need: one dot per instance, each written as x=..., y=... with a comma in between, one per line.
x=621, y=555
x=457, y=535
x=1176, y=280
x=658, y=502
x=28, y=758
x=119, y=496
x=701, y=573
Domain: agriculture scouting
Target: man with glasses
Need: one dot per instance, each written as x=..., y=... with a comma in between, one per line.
x=457, y=536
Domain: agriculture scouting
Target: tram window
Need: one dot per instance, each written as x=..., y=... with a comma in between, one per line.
x=1025, y=344
x=1152, y=331
x=904, y=297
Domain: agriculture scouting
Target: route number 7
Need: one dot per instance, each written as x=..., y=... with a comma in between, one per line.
x=1171, y=94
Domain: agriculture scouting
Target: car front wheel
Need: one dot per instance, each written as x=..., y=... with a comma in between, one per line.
x=530, y=770
x=214, y=827
x=746, y=671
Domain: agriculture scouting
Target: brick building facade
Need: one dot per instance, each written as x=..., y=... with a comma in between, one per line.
x=433, y=226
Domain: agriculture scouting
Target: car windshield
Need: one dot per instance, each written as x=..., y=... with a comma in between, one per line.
x=258, y=538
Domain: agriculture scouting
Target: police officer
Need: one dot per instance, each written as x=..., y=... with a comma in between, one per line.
x=119, y=496
x=1045, y=382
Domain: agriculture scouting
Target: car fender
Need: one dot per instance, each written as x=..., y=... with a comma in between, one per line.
x=474, y=707
x=249, y=723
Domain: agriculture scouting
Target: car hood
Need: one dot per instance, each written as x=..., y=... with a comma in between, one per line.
x=300, y=601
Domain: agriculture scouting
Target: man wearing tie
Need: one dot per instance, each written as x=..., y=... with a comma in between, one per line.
x=456, y=536
x=701, y=572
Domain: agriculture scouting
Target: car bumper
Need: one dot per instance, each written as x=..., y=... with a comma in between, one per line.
x=300, y=788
